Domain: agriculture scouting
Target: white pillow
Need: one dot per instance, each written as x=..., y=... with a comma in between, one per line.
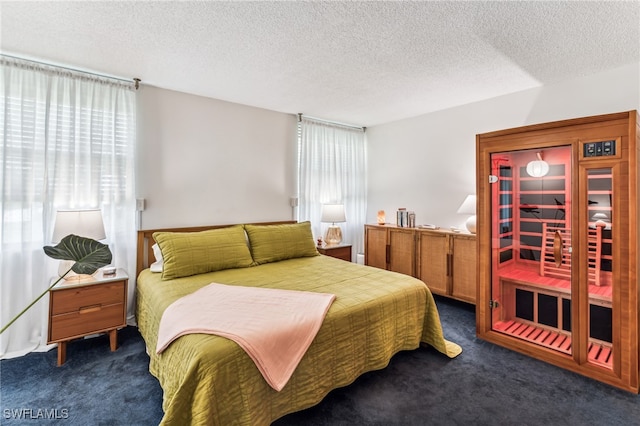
x=157, y=265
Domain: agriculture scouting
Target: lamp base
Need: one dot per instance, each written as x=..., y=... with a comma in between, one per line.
x=471, y=224
x=65, y=265
x=333, y=236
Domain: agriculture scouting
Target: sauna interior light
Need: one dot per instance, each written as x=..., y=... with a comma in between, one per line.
x=538, y=168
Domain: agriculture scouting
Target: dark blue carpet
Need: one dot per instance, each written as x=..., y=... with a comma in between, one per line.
x=485, y=385
x=94, y=387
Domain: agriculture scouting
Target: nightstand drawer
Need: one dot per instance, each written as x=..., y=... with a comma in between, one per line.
x=73, y=299
x=339, y=252
x=343, y=253
x=86, y=320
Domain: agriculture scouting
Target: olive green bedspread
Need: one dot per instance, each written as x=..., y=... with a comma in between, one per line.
x=210, y=380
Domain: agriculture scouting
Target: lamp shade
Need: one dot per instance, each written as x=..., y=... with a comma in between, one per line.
x=333, y=213
x=468, y=206
x=83, y=223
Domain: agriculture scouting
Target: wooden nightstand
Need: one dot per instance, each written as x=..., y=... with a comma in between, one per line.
x=339, y=251
x=80, y=308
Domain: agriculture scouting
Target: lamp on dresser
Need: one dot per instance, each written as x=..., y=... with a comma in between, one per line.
x=333, y=213
x=468, y=206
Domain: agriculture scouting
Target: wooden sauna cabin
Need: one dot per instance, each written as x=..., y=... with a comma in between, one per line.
x=558, y=244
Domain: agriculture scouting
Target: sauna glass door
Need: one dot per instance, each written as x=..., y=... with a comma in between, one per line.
x=531, y=241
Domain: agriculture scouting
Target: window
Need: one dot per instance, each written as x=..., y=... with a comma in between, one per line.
x=68, y=141
x=332, y=161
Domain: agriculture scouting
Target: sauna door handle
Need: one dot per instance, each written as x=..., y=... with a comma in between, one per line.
x=558, y=246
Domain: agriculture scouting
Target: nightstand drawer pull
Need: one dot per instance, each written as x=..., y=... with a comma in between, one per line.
x=89, y=309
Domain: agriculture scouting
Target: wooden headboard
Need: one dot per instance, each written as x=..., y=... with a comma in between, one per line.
x=145, y=256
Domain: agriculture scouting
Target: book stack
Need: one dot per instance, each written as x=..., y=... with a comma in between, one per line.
x=405, y=219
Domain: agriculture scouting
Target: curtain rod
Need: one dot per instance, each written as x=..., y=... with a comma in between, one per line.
x=300, y=115
x=136, y=81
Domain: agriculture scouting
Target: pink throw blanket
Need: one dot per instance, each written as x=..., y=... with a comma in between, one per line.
x=275, y=327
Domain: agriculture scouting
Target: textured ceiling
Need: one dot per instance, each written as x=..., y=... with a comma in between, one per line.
x=362, y=63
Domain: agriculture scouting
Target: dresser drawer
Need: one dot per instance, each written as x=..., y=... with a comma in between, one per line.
x=87, y=320
x=77, y=298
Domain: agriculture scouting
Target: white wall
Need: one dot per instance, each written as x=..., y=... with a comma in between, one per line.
x=204, y=161
x=427, y=163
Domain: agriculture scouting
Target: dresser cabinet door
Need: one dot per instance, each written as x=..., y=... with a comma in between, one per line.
x=402, y=251
x=434, y=261
x=376, y=247
x=463, y=252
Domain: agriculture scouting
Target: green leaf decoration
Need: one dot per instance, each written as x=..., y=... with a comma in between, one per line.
x=89, y=255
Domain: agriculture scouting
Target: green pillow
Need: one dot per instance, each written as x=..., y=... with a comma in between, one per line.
x=271, y=243
x=192, y=253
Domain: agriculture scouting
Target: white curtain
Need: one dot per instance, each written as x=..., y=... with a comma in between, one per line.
x=68, y=141
x=332, y=168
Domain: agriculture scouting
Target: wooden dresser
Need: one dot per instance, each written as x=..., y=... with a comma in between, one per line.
x=444, y=260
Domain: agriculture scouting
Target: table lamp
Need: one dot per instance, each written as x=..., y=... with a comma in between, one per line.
x=333, y=213
x=83, y=223
x=468, y=206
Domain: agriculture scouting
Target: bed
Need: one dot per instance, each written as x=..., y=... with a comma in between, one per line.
x=208, y=379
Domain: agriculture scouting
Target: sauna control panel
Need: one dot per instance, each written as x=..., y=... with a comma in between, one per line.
x=599, y=149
